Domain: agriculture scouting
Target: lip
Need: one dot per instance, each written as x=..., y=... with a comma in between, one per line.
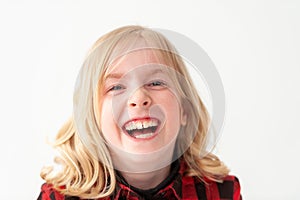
x=142, y=119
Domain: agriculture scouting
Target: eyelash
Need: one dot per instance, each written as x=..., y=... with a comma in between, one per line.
x=113, y=88
x=156, y=83
x=161, y=83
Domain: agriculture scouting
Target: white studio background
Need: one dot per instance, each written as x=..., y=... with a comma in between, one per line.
x=255, y=46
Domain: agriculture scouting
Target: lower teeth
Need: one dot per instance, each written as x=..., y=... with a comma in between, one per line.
x=146, y=135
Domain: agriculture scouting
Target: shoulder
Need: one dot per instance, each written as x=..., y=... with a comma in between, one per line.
x=205, y=188
x=229, y=188
x=49, y=193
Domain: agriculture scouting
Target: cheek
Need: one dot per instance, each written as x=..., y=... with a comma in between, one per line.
x=174, y=115
x=173, y=112
x=107, y=120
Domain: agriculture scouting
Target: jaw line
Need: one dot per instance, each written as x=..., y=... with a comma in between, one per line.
x=142, y=162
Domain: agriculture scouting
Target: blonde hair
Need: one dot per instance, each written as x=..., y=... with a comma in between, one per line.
x=87, y=166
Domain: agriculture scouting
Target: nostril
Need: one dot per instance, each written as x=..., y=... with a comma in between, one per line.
x=145, y=103
x=133, y=104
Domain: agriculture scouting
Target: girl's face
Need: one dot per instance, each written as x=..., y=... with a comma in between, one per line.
x=140, y=109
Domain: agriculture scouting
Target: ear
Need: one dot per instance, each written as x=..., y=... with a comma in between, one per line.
x=183, y=117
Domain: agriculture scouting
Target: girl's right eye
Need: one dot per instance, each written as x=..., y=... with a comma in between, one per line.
x=115, y=88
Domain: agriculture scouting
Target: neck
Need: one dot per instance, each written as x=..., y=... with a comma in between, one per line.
x=147, y=180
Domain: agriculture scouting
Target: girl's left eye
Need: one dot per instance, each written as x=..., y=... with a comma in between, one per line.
x=156, y=84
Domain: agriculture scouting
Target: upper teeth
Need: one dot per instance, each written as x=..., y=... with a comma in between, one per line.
x=140, y=124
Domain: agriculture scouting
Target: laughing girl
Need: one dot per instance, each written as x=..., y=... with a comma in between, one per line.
x=139, y=128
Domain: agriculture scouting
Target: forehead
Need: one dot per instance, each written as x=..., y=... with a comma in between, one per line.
x=136, y=59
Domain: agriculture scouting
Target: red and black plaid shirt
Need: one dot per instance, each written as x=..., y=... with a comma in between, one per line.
x=176, y=186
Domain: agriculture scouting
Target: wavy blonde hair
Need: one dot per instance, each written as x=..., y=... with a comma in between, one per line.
x=87, y=166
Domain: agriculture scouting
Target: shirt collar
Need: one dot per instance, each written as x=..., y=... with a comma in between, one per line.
x=170, y=188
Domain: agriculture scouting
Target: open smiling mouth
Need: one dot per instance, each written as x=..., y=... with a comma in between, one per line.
x=142, y=128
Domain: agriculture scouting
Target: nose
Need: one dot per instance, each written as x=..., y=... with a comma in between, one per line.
x=140, y=98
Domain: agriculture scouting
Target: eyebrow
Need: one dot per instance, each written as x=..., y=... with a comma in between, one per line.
x=114, y=76
x=119, y=75
x=157, y=71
